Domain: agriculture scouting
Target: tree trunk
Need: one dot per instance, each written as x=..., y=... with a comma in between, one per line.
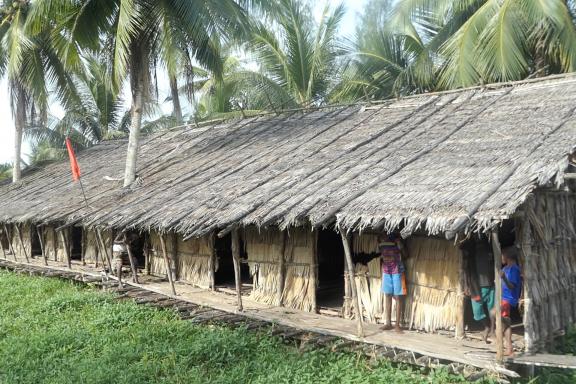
x=139, y=82
x=177, y=111
x=19, y=124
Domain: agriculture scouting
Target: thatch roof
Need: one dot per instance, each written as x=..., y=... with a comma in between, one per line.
x=431, y=162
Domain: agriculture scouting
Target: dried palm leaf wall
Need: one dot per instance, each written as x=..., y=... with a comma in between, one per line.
x=193, y=260
x=432, y=275
x=20, y=247
x=546, y=235
x=190, y=259
x=93, y=252
x=265, y=249
x=287, y=258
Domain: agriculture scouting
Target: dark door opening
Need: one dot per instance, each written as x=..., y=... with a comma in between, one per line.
x=330, y=291
x=137, y=242
x=224, y=276
x=76, y=243
x=35, y=241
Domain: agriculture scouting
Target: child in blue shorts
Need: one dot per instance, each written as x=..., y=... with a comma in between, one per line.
x=393, y=277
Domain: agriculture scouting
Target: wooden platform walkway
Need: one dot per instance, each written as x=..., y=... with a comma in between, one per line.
x=469, y=356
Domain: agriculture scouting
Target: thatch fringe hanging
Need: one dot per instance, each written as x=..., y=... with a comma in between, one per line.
x=299, y=287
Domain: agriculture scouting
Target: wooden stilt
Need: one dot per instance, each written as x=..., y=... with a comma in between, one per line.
x=314, y=274
x=347, y=313
x=236, y=259
x=147, y=254
x=459, y=332
x=66, y=248
x=132, y=263
x=83, y=246
x=167, y=261
x=175, y=266
x=350, y=265
x=10, y=245
x=103, y=249
x=282, y=267
x=498, y=296
x=21, y=242
x=212, y=263
x=41, y=240
x=2, y=244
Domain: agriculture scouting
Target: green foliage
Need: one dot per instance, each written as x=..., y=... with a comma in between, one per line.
x=52, y=331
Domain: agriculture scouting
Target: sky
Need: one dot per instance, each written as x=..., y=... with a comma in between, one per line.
x=347, y=28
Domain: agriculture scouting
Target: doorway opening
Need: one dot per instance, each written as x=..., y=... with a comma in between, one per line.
x=137, y=242
x=35, y=242
x=330, y=290
x=224, y=276
x=76, y=235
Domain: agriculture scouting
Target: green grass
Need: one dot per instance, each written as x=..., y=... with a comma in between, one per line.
x=52, y=331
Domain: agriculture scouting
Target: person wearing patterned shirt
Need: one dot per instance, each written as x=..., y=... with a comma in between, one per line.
x=393, y=277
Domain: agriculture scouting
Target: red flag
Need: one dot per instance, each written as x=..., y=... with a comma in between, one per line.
x=73, y=162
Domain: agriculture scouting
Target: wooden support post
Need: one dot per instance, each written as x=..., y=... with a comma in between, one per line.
x=498, y=296
x=236, y=259
x=212, y=262
x=2, y=243
x=10, y=245
x=147, y=254
x=103, y=250
x=39, y=232
x=282, y=267
x=350, y=266
x=19, y=233
x=66, y=249
x=314, y=273
x=529, y=315
x=459, y=332
x=167, y=261
x=131, y=259
x=176, y=266
x=83, y=246
x=347, y=310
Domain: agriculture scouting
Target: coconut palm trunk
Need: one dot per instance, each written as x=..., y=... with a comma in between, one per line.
x=139, y=79
x=177, y=111
x=20, y=105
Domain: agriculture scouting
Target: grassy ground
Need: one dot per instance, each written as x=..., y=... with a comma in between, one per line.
x=53, y=331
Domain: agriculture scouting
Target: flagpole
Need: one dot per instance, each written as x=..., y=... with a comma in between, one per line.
x=83, y=192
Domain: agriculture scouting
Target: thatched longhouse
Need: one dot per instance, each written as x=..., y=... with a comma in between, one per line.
x=495, y=161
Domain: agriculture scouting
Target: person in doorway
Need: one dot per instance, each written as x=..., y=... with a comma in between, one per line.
x=480, y=282
x=511, y=290
x=118, y=252
x=393, y=276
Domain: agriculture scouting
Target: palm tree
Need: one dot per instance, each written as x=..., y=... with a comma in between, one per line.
x=383, y=63
x=298, y=56
x=5, y=171
x=138, y=34
x=99, y=115
x=32, y=65
x=492, y=40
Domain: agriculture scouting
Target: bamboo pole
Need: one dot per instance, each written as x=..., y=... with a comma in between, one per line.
x=498, y=299
x=41, y=240
x=83, y=246
x=21, y=242
x=66, y=249
x=350, y=265
x=314, y=274
x=167, y=261
x=236, y=259
x=131, y=259
x=282, y=268
x=212, y=262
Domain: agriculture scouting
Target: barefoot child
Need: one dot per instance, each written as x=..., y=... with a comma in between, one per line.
x=479, y=265
x=511, y=290
x=393, y=278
